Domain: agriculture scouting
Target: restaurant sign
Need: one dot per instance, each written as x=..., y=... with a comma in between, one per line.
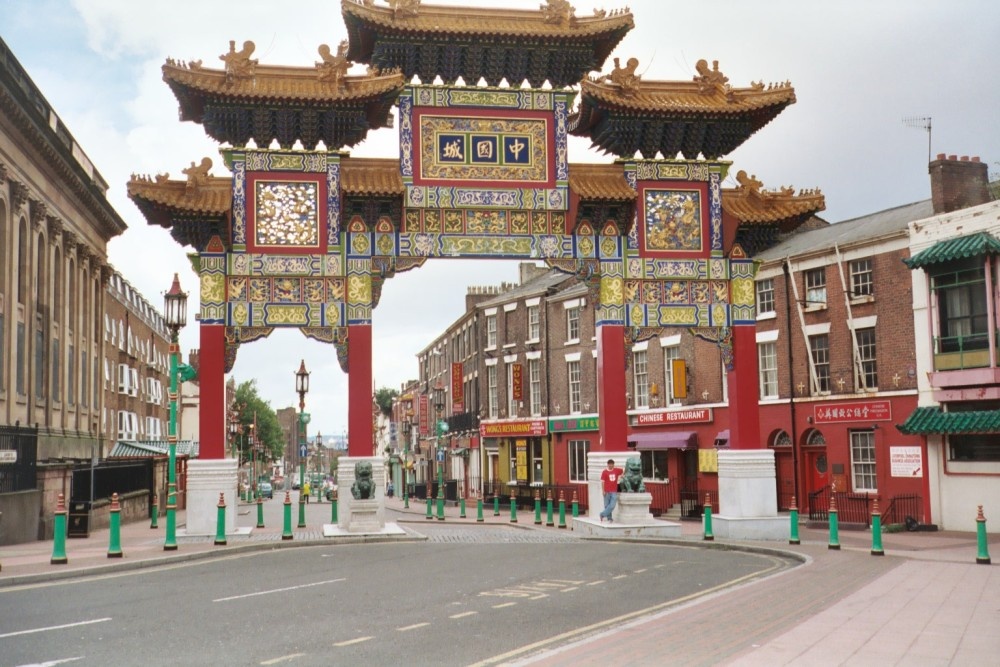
x=513, y=428
x=699, y=415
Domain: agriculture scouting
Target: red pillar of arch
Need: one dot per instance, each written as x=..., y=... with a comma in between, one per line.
x=212, y=392
x=744, y=415
x=611, y=403
x=359, y=390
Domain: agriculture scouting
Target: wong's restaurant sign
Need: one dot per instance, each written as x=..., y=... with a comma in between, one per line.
x=515, y=428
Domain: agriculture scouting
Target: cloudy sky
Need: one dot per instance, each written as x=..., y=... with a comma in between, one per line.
x=859, y=68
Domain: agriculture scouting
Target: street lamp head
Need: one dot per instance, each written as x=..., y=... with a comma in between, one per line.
x=302, y=379
x=175, y=306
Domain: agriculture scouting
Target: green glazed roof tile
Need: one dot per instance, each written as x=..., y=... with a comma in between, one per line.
x=931, y=420
x=963, y=247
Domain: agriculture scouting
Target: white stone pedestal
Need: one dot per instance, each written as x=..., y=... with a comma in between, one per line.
x=631, y=519
x=365, y=516
x=748, y=505
x=206, y=479
x=597, y=462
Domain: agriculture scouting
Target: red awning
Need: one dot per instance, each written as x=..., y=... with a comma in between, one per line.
x=665, y=440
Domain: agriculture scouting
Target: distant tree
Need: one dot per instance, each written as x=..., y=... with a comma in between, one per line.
x=384, y=398
x=249, y=403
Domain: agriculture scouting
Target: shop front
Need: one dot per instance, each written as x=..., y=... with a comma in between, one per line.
x=518, y=459
x=668, y=443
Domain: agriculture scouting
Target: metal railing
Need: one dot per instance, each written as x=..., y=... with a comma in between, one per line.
x=901, y=508
x=111, y=477
x=21, y=473
x=961, y=352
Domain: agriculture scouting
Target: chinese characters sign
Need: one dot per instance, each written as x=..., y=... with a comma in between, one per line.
x=848, y=412
x=457, y=391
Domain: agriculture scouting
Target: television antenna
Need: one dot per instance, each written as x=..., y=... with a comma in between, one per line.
x=921, y=123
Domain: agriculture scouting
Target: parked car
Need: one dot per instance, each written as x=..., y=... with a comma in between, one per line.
x=265, y=490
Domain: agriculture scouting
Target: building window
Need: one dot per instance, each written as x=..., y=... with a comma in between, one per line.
x=19, y=361
x=573, y=371
x=578, y=460
x=3, y=332
x=640, y=377
x=39, y=364
x=56, y=387
x=819, y=347
x=863, y=461
x=535, y=386
x=491, y=331
x=654, y=465
x=961, y=301
x=816, y=288
x=491, y=391
x=765, y=296
x=861, y=278
x=534, y=323
x=975, y=447
x=767, y=362
x=782, y=439
x=867, y=373
x=573, y=325
x=71, y=375
x=84, y=380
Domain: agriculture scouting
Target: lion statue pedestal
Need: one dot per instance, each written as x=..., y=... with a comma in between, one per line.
x=361, y=498
x=631, y=515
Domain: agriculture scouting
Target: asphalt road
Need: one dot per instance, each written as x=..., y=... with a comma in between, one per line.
x=453, y=600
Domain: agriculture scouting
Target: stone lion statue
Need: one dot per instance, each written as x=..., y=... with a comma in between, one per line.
x=631, y=481
x=364, y=485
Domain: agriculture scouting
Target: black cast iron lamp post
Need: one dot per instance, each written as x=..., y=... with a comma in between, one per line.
x=175, y=317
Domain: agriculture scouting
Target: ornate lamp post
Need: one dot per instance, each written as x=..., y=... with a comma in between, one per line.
x=302, y=388
x=252, y=492
x=439, y=451
x=319, y=466
x=175, y=317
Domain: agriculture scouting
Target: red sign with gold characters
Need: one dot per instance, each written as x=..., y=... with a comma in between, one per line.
x=425, y=426
x=457, y=392
x=516, y=380
x=514, y=428
x=674, y=417
x=879, y=411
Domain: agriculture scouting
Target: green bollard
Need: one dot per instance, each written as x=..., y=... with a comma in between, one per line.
x=793, y=514
x=834, y=534
x=876, y=531
x=479, y=509
x=155, y=512
x=461, y=507
x=538, y=509
x=513, y=508
x=430, y=505
x=260, y=512
x=983, y=557
x=548, y=510
x=286, y=533
x=562, y=510
x=708, y=519
x=220, y=520
x=496, y=505
x=302, y=510
x=115, y=519
x=333, y=508
x=59, y=533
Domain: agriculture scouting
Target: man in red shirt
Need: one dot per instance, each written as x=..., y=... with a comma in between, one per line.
x=609, y=484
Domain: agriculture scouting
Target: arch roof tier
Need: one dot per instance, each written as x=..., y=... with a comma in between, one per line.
x=194, y=212
x=287, y=104
x=548, y=44
x=705, y=117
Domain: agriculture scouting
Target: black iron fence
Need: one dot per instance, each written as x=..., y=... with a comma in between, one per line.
x=857, y=507
x=904, y=509
x=18, y=458
x=110, y=477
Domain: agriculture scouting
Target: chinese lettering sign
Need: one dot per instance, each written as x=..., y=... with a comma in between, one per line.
x=848, y=412
x=457, y=391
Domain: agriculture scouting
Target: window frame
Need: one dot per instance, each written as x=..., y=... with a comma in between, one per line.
x=821, y=380
x=862, y=278
x=574, y=377
x=578, y=460
x=535, y=386
x=492, y=399
x=765, y=286
x=864, y=470
x=573, y=324
x=640, y=378
x=814, y=281
x=491, y=332
x=767, y=373
x=866, y=373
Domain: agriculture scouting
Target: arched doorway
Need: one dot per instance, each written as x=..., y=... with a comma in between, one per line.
x=784, y=465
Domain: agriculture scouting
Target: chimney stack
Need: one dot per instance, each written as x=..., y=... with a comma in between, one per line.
x=958, y=183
